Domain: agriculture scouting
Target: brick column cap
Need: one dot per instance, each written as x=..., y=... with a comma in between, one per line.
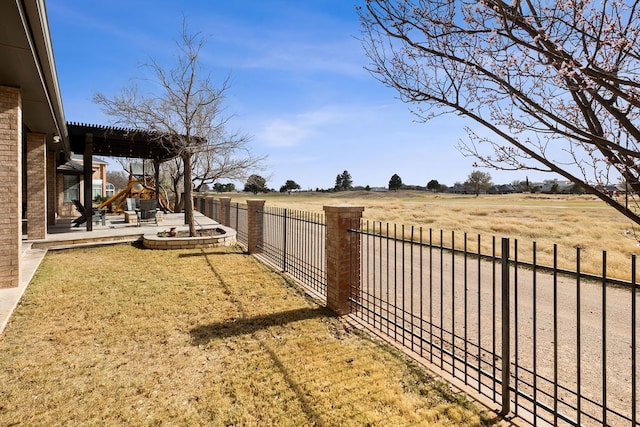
x=343, y=208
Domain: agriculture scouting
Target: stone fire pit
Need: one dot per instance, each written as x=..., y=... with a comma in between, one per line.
x=178, y=238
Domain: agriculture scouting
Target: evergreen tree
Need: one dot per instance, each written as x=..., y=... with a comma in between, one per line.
x=395, y=183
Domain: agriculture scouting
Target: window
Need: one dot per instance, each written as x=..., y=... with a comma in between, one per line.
x=71, y=187
x=96, y=188
x=111, y=189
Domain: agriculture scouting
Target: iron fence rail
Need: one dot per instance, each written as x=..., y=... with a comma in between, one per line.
x=550, y=348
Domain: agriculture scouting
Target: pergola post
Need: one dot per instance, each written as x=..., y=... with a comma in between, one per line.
x=156, y=180
x=88, y=179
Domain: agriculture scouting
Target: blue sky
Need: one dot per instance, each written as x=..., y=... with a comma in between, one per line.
x=298, y=85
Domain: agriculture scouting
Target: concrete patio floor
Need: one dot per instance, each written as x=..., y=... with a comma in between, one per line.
x=64, y=236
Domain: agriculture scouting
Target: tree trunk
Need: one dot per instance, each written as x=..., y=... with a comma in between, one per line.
x=188, y=194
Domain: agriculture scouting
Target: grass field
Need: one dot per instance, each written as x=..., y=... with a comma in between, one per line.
x=565, y=220
x=124, y=336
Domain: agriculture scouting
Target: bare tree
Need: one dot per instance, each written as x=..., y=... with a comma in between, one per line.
x=173, y=173
x=478, y=180
x=119, y=179
x=186, y=111
x=225, y=156
x=555, y=85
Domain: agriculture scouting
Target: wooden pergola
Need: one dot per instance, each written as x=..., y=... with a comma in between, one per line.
x=116, y=142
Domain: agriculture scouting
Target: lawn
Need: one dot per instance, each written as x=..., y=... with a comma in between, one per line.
x=120, y=335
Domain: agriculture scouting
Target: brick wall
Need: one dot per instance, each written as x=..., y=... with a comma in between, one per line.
x=10, y=185
x=36, y=186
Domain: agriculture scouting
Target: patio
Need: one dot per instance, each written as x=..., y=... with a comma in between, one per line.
x=115, y=230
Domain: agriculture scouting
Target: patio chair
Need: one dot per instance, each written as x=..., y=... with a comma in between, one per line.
x=97, y=215
x=147, y=212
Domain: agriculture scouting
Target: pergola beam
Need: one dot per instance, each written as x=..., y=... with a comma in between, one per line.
x=121, y=142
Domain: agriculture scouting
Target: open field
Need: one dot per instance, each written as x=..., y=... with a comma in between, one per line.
x=565, y=220
x=123, y=336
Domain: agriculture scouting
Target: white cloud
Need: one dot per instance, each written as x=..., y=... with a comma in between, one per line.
x=282, y=133
x=297, y=129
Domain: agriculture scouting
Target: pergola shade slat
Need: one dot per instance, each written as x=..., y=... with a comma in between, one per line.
x=121, y=142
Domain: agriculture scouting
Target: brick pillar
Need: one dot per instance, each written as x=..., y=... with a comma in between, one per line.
x=52, y=206
x=209, y=206
x=196, y=203
x=342, y=256
x=10, y=186
x=255, y=211
x=225, y=211
x=36, y=186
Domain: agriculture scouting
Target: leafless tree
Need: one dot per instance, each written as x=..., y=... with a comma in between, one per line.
x=225, y=157
x=554, y=85
x=478, y=180
x=186, y=111
x=119, y=179
x=172, y=172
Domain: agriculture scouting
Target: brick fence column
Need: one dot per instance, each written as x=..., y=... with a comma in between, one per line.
x=255, y=236
x=208, y=211
x=36, y=186
x=196, y=203
x=225, y=211
x=10, y=186
x=342, y=256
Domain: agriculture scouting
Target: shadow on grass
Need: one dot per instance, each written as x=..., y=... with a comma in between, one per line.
x=204, y=252
x=243, y=326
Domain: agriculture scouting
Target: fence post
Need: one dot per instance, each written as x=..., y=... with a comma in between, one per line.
x=506, y=331
x=225, y=211
x=255, y=238
x=284, y=241
x=342, y=256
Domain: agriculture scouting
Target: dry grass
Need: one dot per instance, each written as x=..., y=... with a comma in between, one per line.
x=565, y=220
x=124, y=336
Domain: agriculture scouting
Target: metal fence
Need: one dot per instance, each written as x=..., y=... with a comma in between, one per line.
x=294, y=242
x=549, y=346
x=238, y=219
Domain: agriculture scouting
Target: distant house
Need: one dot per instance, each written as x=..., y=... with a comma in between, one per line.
x=502, y=189
x=554, y=186
x=413, y=187
x=70, y=182
x=458, y=189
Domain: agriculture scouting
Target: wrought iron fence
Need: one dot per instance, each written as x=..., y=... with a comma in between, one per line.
x=294, y=242
x=549, y=346
x=552, y=346
x=239, y=221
